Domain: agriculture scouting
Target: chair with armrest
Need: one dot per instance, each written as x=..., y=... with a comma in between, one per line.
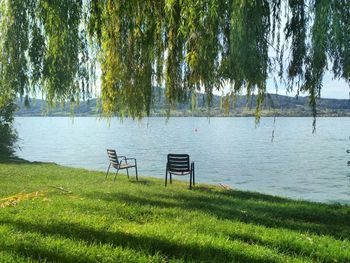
x=120, y=163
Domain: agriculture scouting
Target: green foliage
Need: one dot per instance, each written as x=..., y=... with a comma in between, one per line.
x=8, y=135
x=183, y=45
x=76, y=215
x=9, y=83
x=127, y=35
x=44, y=49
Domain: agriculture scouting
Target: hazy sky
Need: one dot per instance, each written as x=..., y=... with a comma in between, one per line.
x=335, y=89
x=331, y=89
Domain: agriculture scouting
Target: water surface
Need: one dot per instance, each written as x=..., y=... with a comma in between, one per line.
x=231, y=151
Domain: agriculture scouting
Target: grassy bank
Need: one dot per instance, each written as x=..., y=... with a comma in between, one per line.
x=54, y=213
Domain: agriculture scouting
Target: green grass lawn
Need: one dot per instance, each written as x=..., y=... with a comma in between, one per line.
x=78, y=216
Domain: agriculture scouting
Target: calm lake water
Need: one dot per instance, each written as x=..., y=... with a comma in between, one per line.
x=231, y=151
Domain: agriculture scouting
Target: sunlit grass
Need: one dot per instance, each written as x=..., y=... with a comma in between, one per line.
x=81, y=217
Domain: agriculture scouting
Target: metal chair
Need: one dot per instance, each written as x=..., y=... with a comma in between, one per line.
x=179, y=164
x=117, y=162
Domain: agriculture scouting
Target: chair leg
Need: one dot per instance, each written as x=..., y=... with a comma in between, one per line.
x=193, y=180
x=137, y=178
x=108, y=169
x=171, y=178
x=190, y=180
x=127, y=172
x=166, y=177
x=116, y=174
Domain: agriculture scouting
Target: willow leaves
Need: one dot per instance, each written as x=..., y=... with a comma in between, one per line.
x=186, y=46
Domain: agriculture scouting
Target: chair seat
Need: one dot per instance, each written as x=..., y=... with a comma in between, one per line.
x=120, y=163
x=123, y=166
x=179, y=164
x=180, y=173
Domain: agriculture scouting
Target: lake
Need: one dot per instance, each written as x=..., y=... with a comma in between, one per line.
x=231, y=151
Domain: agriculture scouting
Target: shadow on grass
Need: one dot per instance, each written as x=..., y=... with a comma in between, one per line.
x=42, y=254
x=300, y=216
x=7, y=159
x=143, y=182
x=17, y=160
x=150, y=245
x=244, y=195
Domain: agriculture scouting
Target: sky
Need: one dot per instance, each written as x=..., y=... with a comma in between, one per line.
x=332, y=88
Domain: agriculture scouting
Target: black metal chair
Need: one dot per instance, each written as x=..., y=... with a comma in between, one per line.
x=117, y=162
x=179, y=164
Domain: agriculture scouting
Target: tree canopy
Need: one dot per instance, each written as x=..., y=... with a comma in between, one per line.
x=55, y=48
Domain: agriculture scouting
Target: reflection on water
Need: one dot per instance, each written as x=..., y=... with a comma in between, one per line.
x=232, y=151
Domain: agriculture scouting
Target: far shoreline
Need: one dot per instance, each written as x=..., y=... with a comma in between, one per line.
x=338, y=115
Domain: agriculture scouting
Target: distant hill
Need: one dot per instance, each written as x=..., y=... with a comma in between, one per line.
x=274, y=105
x=40, y=108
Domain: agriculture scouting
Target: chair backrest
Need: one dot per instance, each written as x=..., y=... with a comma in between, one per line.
x=178, y=162
x=112, y=156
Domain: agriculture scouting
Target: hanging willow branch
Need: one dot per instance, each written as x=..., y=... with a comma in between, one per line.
x=185, y=46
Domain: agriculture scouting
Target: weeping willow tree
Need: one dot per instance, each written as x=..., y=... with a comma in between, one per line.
x=55, y=47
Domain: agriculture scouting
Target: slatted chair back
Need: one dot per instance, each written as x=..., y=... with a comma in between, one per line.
x=113, y=158
x=178, y=163
x=120, y=163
